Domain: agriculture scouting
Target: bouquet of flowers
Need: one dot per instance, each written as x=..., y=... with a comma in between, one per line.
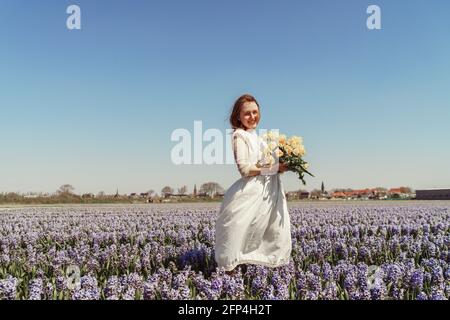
x=289, y=151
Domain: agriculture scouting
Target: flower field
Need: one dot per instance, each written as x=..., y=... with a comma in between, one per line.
x=358, y=250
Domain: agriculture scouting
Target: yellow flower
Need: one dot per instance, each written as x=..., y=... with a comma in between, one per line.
x=298, y=139
x=279, y=153
x=302, y=151
x=282, y=140
x=288, y=150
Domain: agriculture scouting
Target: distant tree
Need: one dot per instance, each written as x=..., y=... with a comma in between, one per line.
x=65, y=189
x=315, y=193
x=211, y=188
x=13, y=196
x=166, y=191
x=406, y=190
x=150, y=192
x=322, y=188
x=182, y=190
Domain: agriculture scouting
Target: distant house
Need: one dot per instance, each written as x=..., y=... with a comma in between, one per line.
x=362, y=194
x=202, y=195
x=339, y=195
x=433, y=194
x=395, y=191
x=401, y=192
x=297, y=195
x=31, y=196
x=290, y=195
x=303, y=195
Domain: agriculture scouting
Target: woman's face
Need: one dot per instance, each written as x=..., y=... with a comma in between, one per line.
x=249, y=115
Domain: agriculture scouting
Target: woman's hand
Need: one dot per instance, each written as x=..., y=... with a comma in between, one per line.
x=282, y=167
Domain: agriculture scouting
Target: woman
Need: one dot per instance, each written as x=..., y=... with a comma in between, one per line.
x=253, y=225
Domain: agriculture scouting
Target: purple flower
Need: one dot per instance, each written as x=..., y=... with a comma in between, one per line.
x=133, y=253
x=268, y=293
x=438, y=295
x=330, y=291
x=89, y=289
x=416, y=280
x=151, y=287
x=422, y=296
x=113, y=289
x=350, y=282
x=327, y=272
x=378, y=291
x=36, y=289
x=233, y=286
x=8, y=288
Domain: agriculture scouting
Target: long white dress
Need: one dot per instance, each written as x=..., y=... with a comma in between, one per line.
x=253, y=225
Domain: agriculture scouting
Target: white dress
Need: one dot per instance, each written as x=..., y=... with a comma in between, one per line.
x=253, y=225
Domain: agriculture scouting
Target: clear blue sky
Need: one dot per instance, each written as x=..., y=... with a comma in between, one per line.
x=95, y=108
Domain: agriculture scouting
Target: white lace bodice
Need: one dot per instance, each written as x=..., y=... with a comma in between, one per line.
x=248, y=149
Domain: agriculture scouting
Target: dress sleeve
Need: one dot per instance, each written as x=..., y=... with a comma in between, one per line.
x=241, y=155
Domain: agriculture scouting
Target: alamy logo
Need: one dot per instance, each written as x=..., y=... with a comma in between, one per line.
x=73, y=277
x=74, y=20
x=374, y=276
x=190, y=149
x=374, y=20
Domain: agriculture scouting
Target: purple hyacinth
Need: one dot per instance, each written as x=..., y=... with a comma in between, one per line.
x=422, y=296
x=139, y=252
x=233, y=286
x=330, y=291
x=113, y=289
x=438, y=295
x=268, y=293
x=36, y=289
x=379, y=290
x=327, y=273
x=151, y=287
x=416, y=280
x=8, y=288
x=89, y=289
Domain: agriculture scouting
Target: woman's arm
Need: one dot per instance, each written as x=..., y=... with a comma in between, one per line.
x=247, y=169
x=274, y=169
x=241, y=156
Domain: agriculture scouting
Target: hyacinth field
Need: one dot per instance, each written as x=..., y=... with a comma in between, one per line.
x=358, y=250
